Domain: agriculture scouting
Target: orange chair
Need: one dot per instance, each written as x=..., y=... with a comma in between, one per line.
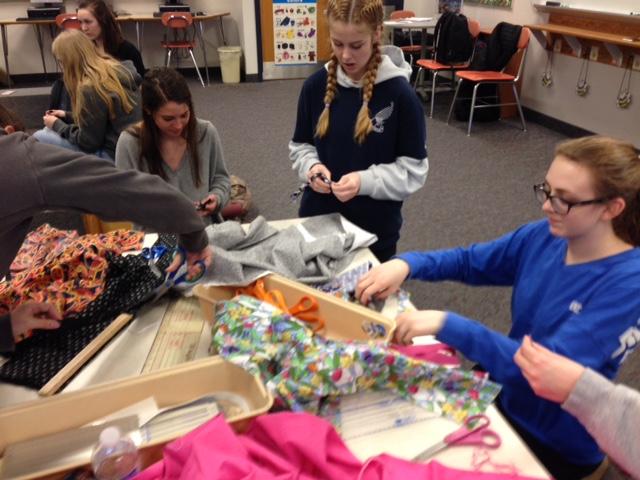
x=499, y=78
x=410, y=49
x=68, y=21
x=177, y=26
x=435, y=67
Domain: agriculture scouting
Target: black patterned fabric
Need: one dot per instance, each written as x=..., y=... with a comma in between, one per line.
x=130, y=284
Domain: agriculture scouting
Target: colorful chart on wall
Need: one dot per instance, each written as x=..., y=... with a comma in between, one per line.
x=295, y=31
x=449, y=6
x=492, y=3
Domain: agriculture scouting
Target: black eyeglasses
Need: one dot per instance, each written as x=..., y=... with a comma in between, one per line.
x=560, y=205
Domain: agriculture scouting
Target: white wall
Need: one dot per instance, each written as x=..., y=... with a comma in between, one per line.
x=239, y=29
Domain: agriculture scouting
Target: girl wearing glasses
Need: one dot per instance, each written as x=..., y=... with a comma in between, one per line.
x=359, y=140
x=576, y=284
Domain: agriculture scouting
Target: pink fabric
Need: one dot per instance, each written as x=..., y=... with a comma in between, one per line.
x=439, y=353
x=285, y=446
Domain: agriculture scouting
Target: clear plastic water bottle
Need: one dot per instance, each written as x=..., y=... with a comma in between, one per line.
x=115, y=457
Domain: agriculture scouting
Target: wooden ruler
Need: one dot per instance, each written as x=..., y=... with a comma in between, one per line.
x=56, y=383
x=178, y=336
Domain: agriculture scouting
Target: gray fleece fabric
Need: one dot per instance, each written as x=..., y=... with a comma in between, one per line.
x=242, y=257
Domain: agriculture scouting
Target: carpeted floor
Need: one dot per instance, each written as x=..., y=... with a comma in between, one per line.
x=478, y=187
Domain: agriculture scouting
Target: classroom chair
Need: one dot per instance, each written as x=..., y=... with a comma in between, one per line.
x=498, y=78
x=68, y=21
x=410, y=49
x=177, y=26
x=436, y=68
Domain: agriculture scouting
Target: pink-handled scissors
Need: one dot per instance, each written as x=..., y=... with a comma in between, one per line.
x=473, y=432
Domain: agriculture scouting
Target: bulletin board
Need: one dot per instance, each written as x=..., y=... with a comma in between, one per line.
x=294, y=37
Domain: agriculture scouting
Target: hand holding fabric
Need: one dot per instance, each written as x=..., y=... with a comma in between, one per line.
x=315, y=178
x=417, y=323
x=56, y=113
x=348, y=187
x=33, y=316
x=382, y=281
x=49, y=120
x=550, y=375
x=207, y=206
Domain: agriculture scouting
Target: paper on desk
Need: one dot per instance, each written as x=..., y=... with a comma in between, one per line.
x=366, y=413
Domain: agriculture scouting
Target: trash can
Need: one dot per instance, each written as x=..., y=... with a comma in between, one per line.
x=230, y=63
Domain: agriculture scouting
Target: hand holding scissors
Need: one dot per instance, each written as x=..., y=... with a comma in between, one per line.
x=474, y=432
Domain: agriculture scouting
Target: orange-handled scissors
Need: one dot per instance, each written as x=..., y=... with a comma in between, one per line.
x=307, y=309
x=474, y=432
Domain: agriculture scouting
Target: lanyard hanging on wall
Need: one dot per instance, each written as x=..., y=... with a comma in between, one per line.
x=582, y=86
x=624, y=92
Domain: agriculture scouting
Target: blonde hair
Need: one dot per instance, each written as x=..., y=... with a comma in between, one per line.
x=361, y=12
x=615, y=167
x=83, y=66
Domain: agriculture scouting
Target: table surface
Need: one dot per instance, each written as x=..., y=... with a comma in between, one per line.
x=416, y=22
x=132, y=345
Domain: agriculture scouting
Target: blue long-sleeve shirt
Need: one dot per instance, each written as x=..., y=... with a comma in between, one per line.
x=588, y=312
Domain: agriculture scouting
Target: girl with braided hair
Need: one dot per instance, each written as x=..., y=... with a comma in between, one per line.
x=360, y=133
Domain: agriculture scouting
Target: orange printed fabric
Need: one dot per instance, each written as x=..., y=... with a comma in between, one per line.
x=63, y=268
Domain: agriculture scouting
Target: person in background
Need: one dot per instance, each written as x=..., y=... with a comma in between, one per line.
x=359, y=139
x=608, y=411
x=575, y=278
x=174, y=144
x=38, y=177
x=104, y=98
x=99, y=24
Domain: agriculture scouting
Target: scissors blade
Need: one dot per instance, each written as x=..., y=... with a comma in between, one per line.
x=429, y=452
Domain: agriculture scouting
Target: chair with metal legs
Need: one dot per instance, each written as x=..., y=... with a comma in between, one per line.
x=410, y=49
x=437, y=68
x=498, y=78
x=178, y=37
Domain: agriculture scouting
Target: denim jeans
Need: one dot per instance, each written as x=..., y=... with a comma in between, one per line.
x=46, y=135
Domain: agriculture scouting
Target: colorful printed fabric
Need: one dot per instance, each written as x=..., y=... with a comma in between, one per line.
x=301, y=368
x=344, y=286
x=62, y=268
x=130, y=282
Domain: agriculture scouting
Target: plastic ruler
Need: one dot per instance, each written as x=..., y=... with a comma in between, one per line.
x=178, y=337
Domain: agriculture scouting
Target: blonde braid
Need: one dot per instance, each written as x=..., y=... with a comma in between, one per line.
x=332, y=85
x=363, y=122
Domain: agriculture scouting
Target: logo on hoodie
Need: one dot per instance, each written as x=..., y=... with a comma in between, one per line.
x=381, y=117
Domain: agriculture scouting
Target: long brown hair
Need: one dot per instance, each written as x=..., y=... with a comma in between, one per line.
x=84, y=67
x=162, y=85
x=615, y=167
x=111, y=33
x=362, y=12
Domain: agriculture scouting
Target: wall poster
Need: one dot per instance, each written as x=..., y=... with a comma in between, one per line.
x=295, y=31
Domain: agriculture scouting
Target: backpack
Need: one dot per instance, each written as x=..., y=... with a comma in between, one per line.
x=454, y=43
x=239, y=200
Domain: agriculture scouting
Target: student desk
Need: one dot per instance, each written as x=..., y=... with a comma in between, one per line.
x=138, y=20
x=125, y=355
x=415, y=23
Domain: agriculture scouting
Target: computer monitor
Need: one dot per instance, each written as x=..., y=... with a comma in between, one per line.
x=45, y=3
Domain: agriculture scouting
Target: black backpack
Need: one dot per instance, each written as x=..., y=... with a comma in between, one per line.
x=454, y=43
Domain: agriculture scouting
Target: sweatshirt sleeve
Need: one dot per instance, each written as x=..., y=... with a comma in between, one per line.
x=488, y=263
x=72, y=180
x=595, y=335
x=6, y=334
x=408, y=173
x=219, y=181
x=127, y=152
x=610, y=413
x=89, y=133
